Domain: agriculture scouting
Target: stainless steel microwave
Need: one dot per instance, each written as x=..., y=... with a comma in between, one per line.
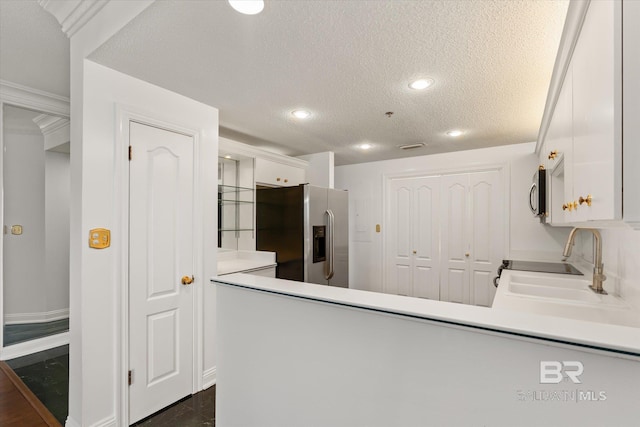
x=538, y=194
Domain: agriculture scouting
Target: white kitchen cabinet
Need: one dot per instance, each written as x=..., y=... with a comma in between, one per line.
x=558, y=154
x=413, y=247
x=595, y=83
x=272, y=173
x=472, y=236
x=594, y=62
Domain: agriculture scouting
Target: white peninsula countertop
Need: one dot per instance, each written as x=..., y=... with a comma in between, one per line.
x=230, y=261
x=624, y=340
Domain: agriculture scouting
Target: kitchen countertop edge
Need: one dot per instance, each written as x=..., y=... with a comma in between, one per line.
x=619, y=339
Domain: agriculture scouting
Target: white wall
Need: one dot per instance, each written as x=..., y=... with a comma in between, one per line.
x=287, y=361
x=621, y=258
x=97, y=376
x=56, y=217
x=528, y=239
x=320, y=171
x=24, y=204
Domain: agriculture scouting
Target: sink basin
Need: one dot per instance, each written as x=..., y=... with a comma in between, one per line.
x=582, y=295
x=567, y=290
x=556, y=282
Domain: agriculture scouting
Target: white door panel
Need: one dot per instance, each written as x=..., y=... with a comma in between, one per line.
x=160, y=253
x=426, y=238
x=454, y=283
x=399, y=247
x=445, y=236
x=487, y=222
x=413, y=248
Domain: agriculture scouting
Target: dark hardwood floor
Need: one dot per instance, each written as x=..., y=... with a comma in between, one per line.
x=18, y=405
x=45, y=376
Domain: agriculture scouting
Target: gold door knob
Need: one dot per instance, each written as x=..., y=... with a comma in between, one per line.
x=286, y=180
x=415, y=252
x=466, y=254
x=588, y=200
x=553, y=154
x=186, y=280
x=278, y=179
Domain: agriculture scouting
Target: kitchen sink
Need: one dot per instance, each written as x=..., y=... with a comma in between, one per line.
x=566, y=290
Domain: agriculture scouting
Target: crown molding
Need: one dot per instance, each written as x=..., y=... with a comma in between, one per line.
x=73, y=14
x=34, y=99
x=49, y=124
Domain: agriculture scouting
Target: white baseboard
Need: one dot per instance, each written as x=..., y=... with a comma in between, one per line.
x=106, y=422
x=71, y=422
x=34, y=346
x=208, y=378
x=41, y=317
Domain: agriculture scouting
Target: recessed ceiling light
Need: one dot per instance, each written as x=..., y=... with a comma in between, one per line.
x=248, y=7
x=454, y=133
x=421, y=84
x=227, y=156
x=300, y=114
x=365, y=146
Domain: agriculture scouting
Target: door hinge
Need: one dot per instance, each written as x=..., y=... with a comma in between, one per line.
x=130, y=153
x=130, y=377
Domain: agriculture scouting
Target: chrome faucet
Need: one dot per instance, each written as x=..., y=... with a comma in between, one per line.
x=598, y=266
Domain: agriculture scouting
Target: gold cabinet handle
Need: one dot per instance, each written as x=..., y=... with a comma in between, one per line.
x=415, y=252
x=286, y=180
x=278, y=179
x=553, y=155
x=565, y=207
x=186, y=280
x=466, y=254
x=588, y=200
x=575, y=205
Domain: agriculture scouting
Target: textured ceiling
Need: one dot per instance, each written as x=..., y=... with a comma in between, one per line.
x=34, y=52
x=349, y=62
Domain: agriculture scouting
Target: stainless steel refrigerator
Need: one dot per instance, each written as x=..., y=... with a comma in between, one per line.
x=308, y=229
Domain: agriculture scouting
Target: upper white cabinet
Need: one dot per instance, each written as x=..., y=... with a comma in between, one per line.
x=279, y=174
x=583, y=132
x=596, y=143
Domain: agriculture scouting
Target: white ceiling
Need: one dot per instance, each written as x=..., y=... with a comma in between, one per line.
x=34, y=52
x=348, y=62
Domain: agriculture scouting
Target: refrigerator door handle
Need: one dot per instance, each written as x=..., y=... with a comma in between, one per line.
x=328, y=269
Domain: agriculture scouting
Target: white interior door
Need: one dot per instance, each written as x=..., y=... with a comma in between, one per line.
x=454, y=280
x=399, y=242
x=160, y=254
x=486, y=234
x=426, y=238
x=413, y=243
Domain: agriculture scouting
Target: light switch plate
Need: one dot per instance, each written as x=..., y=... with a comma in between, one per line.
x=16, y=229
x=99, y=238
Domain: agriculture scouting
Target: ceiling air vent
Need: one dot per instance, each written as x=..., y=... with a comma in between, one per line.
x=412, y=146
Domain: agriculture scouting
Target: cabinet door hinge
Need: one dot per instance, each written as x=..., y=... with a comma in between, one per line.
x=130, y=377
x=130, y=153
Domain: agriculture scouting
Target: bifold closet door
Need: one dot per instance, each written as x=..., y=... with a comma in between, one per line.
x=455, y=229
x=472, y=236
x=413, y=238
